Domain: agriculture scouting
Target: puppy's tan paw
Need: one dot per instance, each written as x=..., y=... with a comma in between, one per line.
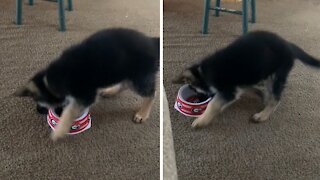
x=259, y=117
x=200, y=122
x=139, y=117
x=58, y=134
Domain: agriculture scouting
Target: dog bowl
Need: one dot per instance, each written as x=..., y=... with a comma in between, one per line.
x=190, y=103
x=79, y=125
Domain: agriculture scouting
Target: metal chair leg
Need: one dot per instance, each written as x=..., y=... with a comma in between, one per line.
x=69, y=5
x=62, y=26
x=19, y=12
x=244, y=17
x=30, y=2
x=253, y=11
x=217, y=5
x=205, y=17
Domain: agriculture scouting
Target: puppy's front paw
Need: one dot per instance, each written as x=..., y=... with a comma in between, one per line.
x=200, y=122
x=58, y=133
x=259, y=117
x=140, y=117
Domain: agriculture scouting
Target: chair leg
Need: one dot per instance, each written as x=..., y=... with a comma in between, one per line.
x=253, y=11
x=18, y=12
x=69, y=5
x=30, y=2
x=62, y=26
x=217, y=5
x=205, y=17
x=244, y=17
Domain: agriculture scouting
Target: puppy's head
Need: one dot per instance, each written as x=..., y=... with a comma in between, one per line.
x=194, y=77
x=38, y=89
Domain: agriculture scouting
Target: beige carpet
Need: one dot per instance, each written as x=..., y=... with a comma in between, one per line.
x=287, y=146
x=114, y=148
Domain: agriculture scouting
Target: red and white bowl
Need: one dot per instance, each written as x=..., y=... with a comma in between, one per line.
x=79, y=125
x=186, y=102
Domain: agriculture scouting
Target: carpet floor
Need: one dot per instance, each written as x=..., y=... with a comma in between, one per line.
x=114, y=147
x=285, y=147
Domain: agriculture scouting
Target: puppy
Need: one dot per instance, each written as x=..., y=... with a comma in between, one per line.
x=106, y=63
x=257, y=62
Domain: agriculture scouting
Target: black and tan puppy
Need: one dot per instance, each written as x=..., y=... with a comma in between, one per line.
x=257, y=62
x=112, y=59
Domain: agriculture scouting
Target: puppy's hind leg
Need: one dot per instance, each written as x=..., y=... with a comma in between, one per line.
x=145, y=87
x=112, y=90
x=69, y=114
x=256, y=92
x=272, y=95
x=144, y=111
x=270, y=107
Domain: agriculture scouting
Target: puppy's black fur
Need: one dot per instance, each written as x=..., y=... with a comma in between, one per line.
x=104, y=59
x=248, y=61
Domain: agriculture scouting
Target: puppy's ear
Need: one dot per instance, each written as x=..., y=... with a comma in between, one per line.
x=28, y=90
x=184, y=78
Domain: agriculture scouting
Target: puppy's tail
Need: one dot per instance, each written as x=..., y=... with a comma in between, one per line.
x=303, y=56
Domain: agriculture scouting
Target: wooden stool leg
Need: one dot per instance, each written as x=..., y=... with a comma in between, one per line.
x=30, y=2
x=19, y=12
x=217, y=5
x=253, y=11
x=69, y=5
x=244, y=17
x=205, y=17
x=62, y=26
